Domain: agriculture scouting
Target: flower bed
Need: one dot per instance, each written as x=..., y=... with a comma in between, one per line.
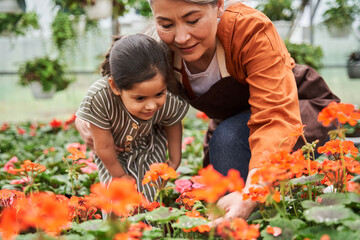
x=50, y=189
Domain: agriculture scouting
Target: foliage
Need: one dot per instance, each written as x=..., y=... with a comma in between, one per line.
x=341, y=13
x=306, y=54
x=50, y=73
x=63, y=33
x=277, y=9
x=299, y=197
x=18, y=23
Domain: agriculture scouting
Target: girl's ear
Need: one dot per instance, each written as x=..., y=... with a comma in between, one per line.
x=113, y=86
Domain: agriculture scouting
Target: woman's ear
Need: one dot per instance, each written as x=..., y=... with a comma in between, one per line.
x=113, y=86
x=220, y=7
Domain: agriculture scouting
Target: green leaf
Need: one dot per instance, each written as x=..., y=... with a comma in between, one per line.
x=303, y=180
x=137, y=217
x=309, y=204
x=154, y=233
x=316, y=232
x=288, y=227
x=352, y=224
x=96, y=225
x=163, y=214
x=329, y=199
x=329, y=214
x=189, y=222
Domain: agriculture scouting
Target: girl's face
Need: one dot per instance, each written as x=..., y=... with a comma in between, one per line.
x=145, y=98
x=188, y=29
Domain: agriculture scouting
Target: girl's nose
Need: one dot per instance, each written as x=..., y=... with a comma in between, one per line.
x=151, y=105
x=181, y=35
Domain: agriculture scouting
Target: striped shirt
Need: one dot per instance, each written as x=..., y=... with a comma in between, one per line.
x=144, y=141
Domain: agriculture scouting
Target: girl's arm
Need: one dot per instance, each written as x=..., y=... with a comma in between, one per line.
x=105, y=149
x=174, y=136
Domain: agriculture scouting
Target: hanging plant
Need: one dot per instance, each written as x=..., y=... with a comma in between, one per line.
x=18, y=23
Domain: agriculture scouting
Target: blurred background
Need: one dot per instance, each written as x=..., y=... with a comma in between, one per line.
x=62, y=40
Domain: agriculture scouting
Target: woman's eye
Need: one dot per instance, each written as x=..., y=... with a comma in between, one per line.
x=193, y=22
x=166, y=26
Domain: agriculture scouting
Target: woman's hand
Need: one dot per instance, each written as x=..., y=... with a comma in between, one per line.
x=235, y=207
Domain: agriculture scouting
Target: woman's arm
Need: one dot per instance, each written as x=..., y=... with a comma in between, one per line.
x=174, y=136
x=105, y=149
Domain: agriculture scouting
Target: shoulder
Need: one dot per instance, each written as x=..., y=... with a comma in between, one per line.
x=247, y=20
x=100, y=88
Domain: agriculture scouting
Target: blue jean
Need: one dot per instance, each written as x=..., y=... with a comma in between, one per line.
x=229, y=145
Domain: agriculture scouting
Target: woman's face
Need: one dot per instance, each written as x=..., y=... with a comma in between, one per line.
x=188, y=29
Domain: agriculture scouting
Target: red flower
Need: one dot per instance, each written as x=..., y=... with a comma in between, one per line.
x=55, y=123
x=202, y=116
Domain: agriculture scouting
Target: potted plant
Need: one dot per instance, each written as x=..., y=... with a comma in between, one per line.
x=340, y=16
x=306, y=54
x=44, y=75
x=353, y=65
x=12, y=6
x=17, y=23
x=281, y=13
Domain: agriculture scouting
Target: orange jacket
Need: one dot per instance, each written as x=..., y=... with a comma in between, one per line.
x=256, y=55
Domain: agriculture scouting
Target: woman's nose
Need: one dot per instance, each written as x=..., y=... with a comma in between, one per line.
x=181, y=35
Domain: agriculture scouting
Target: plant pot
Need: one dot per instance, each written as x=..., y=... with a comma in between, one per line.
x=39, y=93
x=283, y=28
x=101, y=9
x=336, y=32
x=353, y=69
x=9, y=6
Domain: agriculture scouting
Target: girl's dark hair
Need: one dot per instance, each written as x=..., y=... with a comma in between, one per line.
x=135, y=59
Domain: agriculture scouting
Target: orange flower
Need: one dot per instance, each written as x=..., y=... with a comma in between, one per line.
x=214, y=184
x=341, y=112
x=117, y=197
x=157, y=170
x=275, y=231
x=299, y=130
x=200, y=228
x=325, y=237
x=238, y=229
x=8, y=197
x=259, y=194
x=76, y=154
x=39, y=211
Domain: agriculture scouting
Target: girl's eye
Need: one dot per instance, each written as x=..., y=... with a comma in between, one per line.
x=140, y=99
x=160, y=94
x=193, y=22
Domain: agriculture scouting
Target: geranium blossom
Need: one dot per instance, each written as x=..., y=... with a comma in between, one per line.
x=182, y=185
x=55, y=123
x=342, y=112
x=35, y=211
x=238, y=229
x=7, y=197
x=117, y=197
x=159, y=170
x=76, y=154
x=10, y=163
x=215, y=184
x=202, y=116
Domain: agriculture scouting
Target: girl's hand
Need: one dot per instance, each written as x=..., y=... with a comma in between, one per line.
x=174, y=165
x=128, y=177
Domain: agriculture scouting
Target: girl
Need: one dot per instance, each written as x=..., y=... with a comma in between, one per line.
x=131, y=108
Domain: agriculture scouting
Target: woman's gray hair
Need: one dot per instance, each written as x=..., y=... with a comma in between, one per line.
x=200, y=2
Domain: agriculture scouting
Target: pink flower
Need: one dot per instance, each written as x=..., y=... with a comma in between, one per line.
x=21, y=181
x=90, y=166
x=10, y=163
x=182, y=185
x=187, y=141
x=81, y=147
x=197, y=186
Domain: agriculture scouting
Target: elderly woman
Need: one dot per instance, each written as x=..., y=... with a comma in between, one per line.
x=234, y=67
